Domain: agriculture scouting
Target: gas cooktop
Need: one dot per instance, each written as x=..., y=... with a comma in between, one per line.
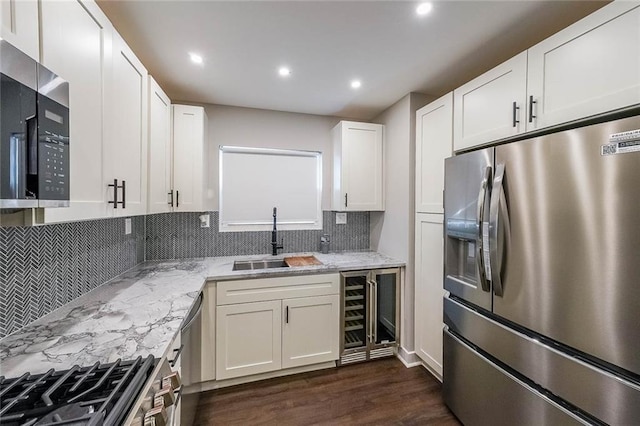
x=101, y=394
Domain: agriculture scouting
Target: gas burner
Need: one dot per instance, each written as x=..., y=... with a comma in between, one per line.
x=81, y=396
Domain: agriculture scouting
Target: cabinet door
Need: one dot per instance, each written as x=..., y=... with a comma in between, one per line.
x=160, y=198
x=189, y=157
x=248, y=339
x=429, y=290
x=360, y=169
x=588, y=68
x=491, y=106
x=76, y=44
x=311, y=329
x=434, y=138
x=19, y=25
x=127, y=128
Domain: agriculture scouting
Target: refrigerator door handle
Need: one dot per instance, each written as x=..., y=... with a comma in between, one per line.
x=374, y=316
x=498, y=220
x=370, y=309
x=482, y=196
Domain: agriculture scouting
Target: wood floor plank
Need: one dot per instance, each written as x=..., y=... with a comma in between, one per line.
x=382, y=392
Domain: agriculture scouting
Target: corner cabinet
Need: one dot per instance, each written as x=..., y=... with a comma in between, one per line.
x=491, y=106
x=434, y=135
x=265, y=325
x=589, y=68
x=358, y=171
x=160, y=157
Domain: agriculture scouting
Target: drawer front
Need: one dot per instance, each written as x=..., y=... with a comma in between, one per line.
x=263, y=289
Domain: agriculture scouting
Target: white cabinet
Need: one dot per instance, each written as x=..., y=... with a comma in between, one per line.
x=434, y=136
x=429, y=290
x=268, y=324
x=126, y=131
x=591, y=67
x=248, y=339
x=190, y=158
x=159, y=149
x=491, y=106
x=76, y=44
x=311, y=330
x=358, y=179
x=19, y=25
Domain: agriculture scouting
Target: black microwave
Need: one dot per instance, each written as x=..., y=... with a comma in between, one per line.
x=34, y=132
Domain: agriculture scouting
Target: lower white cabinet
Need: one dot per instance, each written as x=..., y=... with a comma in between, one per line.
x=273, y=328
x=429, y=290
x=311, y=330
x=248, y=339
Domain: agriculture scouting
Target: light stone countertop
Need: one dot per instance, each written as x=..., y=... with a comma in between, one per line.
x=140, y=311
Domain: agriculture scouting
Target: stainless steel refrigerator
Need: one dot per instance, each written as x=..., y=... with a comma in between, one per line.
x=542, y=266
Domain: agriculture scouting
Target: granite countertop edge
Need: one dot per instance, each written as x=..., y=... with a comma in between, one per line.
x=140, y=312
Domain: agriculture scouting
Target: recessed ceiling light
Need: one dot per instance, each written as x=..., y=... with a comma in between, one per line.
x=424, y=9
x=355, y=84
x=195, y=58
x=284, y=71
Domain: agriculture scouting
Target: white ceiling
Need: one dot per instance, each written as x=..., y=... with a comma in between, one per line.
x=327, y=44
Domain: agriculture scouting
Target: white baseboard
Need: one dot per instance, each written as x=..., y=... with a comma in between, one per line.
x=408, y=358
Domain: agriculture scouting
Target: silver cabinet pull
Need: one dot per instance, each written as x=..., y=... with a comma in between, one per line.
x=516, y=108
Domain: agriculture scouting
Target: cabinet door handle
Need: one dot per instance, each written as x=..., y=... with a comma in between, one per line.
x=531, y=104
x=346, y=199
x=114, y=185
x=286, y=315
x=124, y=194
x=170, y=194
x=177, y=199
x=516, y=108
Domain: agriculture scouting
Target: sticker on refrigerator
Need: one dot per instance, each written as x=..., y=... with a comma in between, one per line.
x=622, y=143
x=486, y=254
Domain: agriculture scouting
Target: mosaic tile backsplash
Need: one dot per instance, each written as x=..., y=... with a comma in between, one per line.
x=45, y=267
x=179, y=236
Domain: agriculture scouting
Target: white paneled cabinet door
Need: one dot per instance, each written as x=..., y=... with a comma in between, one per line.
x=358, y=183
x=127, y=129
x=189, y=158
x=434, y=137
x=311, y=329
x=76, y=44
x=429, y=290
x=248, y=339
x=591, y=67
x=19, y=25
x=491, y=106
x=160, y=195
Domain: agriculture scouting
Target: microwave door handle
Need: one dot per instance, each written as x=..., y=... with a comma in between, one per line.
x=482, y=197
x=499, y=226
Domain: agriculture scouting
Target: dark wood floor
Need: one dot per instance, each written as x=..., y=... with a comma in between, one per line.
x=381, y=392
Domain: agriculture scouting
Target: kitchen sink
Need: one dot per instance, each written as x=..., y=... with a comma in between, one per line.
x=247, y=265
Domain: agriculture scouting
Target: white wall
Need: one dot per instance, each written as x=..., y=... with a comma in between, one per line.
x=393, y=231
x=250, y=127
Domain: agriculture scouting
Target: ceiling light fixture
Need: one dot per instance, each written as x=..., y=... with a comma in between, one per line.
x=424, y=9
x=355, y=84
x=195, y=58
x=284, y=71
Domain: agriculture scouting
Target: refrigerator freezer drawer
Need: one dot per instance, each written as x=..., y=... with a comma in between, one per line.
x=481, y=393
x=610, y=398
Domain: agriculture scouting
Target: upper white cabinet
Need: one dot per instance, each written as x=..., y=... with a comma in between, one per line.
x=429, y=290
x=19, y=25
x=434, y=138
x=492, y=106
x=190, y=159
x=126, y=131
x=159, y=149
x=588, y=68
x=76, y=44
x=358, y=179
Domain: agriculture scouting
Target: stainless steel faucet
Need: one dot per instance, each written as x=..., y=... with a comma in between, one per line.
x=274, y=237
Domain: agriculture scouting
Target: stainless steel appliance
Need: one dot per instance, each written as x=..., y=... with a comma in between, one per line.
x=34, y=133
x=370, y=315
x=101, y=394
x=542, y=262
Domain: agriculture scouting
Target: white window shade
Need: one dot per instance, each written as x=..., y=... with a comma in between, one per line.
x=255, y=180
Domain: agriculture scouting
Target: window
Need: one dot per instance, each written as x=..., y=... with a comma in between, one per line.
x=255, y=180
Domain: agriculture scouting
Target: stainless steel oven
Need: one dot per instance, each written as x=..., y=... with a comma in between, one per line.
x=34, y=133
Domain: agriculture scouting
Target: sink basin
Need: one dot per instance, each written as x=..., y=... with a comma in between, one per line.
x=247, y=265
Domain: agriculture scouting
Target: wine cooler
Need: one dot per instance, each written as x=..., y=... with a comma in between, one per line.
x=370, y=315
